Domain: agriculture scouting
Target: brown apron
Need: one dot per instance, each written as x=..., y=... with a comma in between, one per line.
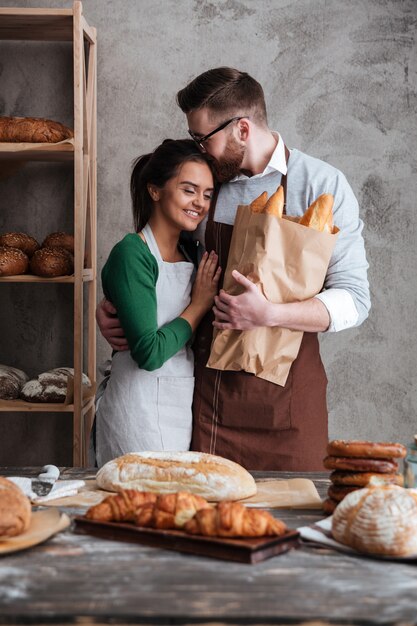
x=249, y=420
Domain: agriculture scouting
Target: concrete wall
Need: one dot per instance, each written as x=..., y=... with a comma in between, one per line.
x=340, y=83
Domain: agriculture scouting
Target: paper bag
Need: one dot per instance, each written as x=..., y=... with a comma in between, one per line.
x=288, y=263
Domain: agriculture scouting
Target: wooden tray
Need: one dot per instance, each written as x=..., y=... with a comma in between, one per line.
x=241, y=550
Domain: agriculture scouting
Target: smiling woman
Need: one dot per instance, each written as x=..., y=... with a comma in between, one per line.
x=160, y=299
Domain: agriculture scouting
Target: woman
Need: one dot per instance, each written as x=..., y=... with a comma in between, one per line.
x=147, y=401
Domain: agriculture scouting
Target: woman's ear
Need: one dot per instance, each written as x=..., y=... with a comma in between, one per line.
x=153, y=192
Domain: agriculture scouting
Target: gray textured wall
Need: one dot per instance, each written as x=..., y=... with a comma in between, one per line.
x=340, y=83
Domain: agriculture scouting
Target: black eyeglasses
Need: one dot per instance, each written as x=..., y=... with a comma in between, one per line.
x=200, y=140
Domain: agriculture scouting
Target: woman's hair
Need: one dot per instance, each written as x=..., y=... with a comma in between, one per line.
x=225, y=90
x=156, y=169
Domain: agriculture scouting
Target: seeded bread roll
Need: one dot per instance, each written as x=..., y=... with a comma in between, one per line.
x=32, y=130
x=206, y=475
x=59, y=240
x=22, y=241
x=15, y=510
x=11, y=382
x=50, y=262
x=13, y=261
x=50, y=386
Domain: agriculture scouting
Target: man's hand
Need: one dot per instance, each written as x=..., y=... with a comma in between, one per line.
x=244, y=312
x=109, y=325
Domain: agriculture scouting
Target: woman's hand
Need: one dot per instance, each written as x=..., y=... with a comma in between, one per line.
x=204, y=289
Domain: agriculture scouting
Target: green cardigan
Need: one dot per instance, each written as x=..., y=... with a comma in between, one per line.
x=129, y=280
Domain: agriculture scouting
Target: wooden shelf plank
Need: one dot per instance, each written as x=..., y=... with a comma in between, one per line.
x=36, y=24
x=36, y=151
x=40, y=407
x=31, y=278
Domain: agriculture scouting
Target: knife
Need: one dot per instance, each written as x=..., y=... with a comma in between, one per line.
x=43, y=484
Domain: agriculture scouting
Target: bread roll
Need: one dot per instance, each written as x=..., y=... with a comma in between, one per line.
x=15, y=509
x=206, y=475
x=13, y=261
x=50, y=262
x=32, y=130
x=22, y=241
x=59, y=240
x=378, y=520
x=11, y=382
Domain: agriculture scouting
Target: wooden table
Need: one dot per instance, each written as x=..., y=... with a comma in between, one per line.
x=76, y=578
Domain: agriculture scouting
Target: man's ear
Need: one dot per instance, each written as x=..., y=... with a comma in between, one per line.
x=153, y=192
x=244, y=129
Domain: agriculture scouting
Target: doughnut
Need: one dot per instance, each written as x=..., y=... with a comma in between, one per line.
x=329, y=505
x=366, y=449
x=362, y=479
x=381, y=466
x=338, y=492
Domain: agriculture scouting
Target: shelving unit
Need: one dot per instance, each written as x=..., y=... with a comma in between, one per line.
x=68, y=25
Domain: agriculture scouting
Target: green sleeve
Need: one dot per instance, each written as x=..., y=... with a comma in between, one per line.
x=129, y=279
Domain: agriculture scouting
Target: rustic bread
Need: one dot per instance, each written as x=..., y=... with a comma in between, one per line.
x=11, y=382
x=32, y=130
x=22, y=241
x=50, y=386
x=378, y=520
x=50, y=262
x=206, y=475
x=12, y=261
x=59, y=240
x=15, y=509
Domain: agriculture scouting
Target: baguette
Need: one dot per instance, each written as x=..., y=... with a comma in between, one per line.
x=319, y=215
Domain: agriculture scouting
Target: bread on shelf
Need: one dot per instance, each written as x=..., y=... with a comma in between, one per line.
x=32, y=130
x=50, y=386
x=22, y=241
x=52, y=262
x=13, y=261
x=11, y=382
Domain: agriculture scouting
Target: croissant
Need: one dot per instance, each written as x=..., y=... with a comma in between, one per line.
x=120, y=507
x=233, y=519
x=170, y=510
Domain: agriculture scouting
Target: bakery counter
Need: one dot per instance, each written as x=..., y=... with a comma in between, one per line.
x=78, y=578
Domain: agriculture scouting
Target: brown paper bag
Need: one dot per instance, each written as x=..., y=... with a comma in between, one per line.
x=288, y=263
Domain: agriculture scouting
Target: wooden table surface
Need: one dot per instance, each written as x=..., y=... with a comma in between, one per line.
x=75, y=578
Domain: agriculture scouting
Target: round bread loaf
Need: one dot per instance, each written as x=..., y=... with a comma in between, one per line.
x=206, y=475
x=362, y=479
x=15, y=509
x=11, y=382
x=59, y=240
x=50, y=386
x=378, y=520
x=12, y=261
x=22, y=241
x=366, y=449
x=383, y=466
x=50, y=262
x=33, y=129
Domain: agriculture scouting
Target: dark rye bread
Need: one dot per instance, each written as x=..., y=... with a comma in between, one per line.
x=13, y=261
x=11, y=382
x=22, y=241
x=50, y=386
x=51, y=262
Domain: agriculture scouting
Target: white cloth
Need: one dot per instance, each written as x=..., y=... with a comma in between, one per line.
x=141, y=410
x=61, y=489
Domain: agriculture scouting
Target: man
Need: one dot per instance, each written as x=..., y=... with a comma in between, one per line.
x=259, y=424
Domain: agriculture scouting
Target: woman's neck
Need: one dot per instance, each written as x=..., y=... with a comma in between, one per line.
x=166, y=239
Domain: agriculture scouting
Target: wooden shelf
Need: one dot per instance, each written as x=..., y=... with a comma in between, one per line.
x=42, y=407
x=31, y=278
x=36, y=24
x=36, y=151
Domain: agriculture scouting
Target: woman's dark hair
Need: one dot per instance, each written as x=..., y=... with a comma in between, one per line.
x=156, y=169
x=225, y=91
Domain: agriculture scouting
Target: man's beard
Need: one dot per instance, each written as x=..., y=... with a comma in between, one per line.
x=229, y=164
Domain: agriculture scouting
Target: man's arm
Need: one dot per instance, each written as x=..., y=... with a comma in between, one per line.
x=109, y=325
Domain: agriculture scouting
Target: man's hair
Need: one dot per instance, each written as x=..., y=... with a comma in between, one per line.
x=224, y=90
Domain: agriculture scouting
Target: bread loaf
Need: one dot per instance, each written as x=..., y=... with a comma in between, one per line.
x=50, y=262
x=206, y=475
x=50, y=386
x=378, y=520
x=22, y=241
x=59, y=240
x=12, y=261
x=32, y=130
x=15, y=509
x=11, y=382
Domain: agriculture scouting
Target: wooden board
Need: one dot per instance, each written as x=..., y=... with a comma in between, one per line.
x=241, y=550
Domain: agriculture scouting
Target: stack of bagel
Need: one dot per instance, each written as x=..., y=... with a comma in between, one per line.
x=355, y=464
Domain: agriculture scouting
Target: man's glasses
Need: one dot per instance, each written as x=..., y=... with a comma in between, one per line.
x=201, y=140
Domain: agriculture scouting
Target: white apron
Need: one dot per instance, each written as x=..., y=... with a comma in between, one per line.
x=142, y=410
